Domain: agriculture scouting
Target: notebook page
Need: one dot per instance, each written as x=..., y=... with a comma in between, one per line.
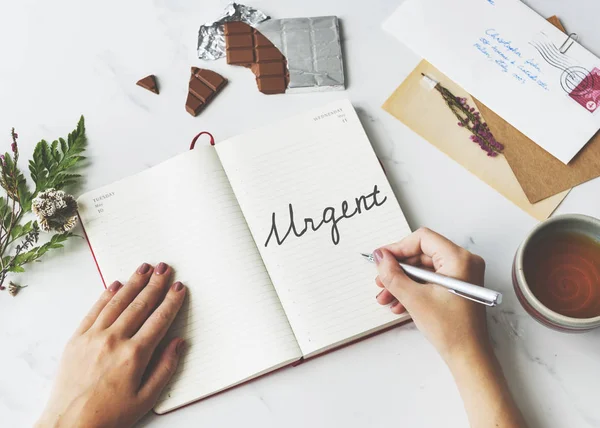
x=313, y=163
x=183, y=212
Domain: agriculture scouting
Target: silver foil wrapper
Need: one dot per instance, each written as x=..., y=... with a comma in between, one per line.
x=313, y=49
x=211, y=39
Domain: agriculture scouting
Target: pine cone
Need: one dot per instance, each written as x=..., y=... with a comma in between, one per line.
x=55, y=210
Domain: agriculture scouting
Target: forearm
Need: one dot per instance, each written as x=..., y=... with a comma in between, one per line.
x=484, y=391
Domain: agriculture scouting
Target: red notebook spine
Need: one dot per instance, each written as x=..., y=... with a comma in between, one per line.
x=91, y=250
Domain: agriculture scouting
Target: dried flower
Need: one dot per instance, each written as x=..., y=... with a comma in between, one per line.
x=55, y=210
x=14, y=147
x=470, y=119
x=13, y=289
x=53, y=166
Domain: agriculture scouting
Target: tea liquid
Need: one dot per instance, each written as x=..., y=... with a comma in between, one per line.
x=563, y=271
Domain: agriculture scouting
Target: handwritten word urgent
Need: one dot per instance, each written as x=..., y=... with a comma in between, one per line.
x=348, y=210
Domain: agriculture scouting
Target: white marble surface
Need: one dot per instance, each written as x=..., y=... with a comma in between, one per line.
x=62, y=58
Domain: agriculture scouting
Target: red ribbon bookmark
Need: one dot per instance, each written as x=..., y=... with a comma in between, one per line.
x=212, y=139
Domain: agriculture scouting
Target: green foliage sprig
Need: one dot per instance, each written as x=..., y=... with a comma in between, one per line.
x=52, y=169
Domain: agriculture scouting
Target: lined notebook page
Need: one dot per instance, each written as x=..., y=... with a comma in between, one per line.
x=315, y=161
x=183, y=212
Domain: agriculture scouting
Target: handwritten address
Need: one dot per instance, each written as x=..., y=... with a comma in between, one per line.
x=510, y=59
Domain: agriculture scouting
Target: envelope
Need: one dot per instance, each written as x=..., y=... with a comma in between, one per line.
x=540, y=174
x=514, y=62
x=423, y=110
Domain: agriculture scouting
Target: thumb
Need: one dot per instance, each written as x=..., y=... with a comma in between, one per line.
x=161, y=371
x=393, y=277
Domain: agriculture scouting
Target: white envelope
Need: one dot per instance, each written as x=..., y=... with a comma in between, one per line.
x=512, y=60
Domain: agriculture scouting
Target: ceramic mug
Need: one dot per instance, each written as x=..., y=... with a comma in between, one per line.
x=580, y=224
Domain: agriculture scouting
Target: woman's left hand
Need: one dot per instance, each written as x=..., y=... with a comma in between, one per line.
x=110, y=374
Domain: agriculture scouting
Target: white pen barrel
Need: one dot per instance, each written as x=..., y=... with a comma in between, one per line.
x=467, y=290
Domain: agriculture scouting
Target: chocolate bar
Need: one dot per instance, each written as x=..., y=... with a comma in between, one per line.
x=247, y=47
x=149, y=83
x=313, y=50
x=204, y=86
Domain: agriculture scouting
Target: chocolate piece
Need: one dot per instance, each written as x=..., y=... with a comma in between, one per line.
x=149, y=82
x=237, y=27
x=204, y=86
x=247, y=47
x=214, y=80
x=240, y=57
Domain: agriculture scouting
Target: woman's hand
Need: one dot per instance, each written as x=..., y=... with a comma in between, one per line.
x=454, y=325
x=110, y=374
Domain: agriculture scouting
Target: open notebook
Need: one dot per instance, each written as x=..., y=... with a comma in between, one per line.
x=265, y=229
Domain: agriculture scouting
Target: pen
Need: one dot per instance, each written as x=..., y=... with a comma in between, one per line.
x=469, y=291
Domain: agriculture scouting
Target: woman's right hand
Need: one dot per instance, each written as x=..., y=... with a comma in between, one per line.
x=454, y=325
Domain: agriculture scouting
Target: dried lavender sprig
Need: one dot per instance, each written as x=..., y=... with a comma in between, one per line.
x=471, y=120
x=14, y=146
x=29, y=241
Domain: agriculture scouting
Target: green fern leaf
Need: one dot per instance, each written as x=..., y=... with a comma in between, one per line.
x=52, y=164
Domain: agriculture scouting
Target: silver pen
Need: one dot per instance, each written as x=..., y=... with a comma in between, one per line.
x=469, y=291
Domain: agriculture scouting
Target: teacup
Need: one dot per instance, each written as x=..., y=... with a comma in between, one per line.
x=549, y=270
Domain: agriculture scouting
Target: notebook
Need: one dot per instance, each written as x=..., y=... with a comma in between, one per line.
x=265, y=230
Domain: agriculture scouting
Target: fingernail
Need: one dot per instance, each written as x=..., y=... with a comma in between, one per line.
x=161, y=268
x=115, y=286
x=378, y=294
x=378, y=256
x=178, y=286
x=180, y=346
x=143, y=268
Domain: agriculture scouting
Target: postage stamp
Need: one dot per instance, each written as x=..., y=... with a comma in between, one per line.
x=587, y=91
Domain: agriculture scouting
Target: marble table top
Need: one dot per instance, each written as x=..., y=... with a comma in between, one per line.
x=64, y=58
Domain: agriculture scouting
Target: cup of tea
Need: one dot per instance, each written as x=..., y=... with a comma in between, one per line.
x=556, y=273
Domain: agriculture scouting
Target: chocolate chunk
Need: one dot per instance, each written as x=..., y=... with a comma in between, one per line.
x=272, y=84
x=236, y=27
x=213, y=80
x=240, y=40
x=270, y=69
x=193, y=105
x=240, y=57
x=204, y=87
x=247, y=47
x=200, y=90
x=148, y=82
x=266, y=54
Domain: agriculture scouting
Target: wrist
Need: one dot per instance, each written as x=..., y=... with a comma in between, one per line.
x=45, y=421
x=470, y=354
x=52, y=418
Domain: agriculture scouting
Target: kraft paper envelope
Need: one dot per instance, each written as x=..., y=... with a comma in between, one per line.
x=422, y=109
x=540, y=174
x=513, y=61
